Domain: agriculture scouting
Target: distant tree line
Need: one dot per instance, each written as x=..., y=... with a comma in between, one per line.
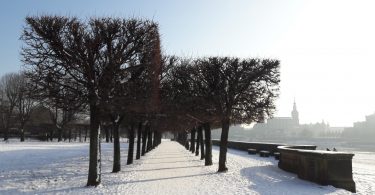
x=113, y=70
x=16, y=105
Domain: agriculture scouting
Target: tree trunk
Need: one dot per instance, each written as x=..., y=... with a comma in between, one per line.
x=131, y=145
x=60, y=132
x=94, y=177
x=199, y=137
x=192, y=138
x=7, y=126
x=106, y=130
x=144, y=140
x=80, y=134
x=149, y=140
x=51, y=134
x=159, y=138
x=185, y=140
x=6, y=132
x=64, y=135
x=201, y=142
x=139, y=134
x=86, y=133
x=116, y=148
x=207, y=138
x=70, y=134
x=223, y=144
x=111, y=132
x=23, y=135
x=155, y=142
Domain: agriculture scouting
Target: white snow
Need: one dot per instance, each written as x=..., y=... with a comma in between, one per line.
x=61, y=168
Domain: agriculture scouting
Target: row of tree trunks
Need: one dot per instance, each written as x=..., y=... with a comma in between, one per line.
x=146, y=141
x=204, y=143
x=108, y=130
x=157, y=139
x=181, y=138
x=50, y=135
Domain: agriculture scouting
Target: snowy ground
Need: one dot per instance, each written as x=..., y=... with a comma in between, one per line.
x=61, y=168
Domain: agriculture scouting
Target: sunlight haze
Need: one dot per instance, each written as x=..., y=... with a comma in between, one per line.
x=326, y=48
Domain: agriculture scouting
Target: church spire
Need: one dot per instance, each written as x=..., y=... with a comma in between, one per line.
x=295, y=115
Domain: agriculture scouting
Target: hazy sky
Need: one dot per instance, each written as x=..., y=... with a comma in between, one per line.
x=326, y=47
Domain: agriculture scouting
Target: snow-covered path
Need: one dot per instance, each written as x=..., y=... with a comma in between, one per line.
x=171, y=169
x=47, y=168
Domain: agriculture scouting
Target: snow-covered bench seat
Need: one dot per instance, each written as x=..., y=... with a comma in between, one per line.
x=277, y=155
x=251, y=151
x=264, y=153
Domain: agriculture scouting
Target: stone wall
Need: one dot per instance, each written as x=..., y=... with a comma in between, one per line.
x=271, y=147
x=322, y=167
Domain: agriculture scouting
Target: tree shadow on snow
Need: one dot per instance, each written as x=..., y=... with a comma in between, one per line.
x=158, y=157
x=163, y=178
x=270, y=179
x=159, y=169
x=176, y=161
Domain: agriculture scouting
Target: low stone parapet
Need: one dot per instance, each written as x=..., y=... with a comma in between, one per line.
x=322, y=167
x=258, y=146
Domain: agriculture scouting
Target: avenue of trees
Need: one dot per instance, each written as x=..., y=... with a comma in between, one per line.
x=222, y=91
x=16, y=104
x=113, y=70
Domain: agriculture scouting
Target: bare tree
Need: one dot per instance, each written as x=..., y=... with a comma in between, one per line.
x=241, y=91
x=25, y=104
x=9, y=86
x=184, y=100
x=93, y=54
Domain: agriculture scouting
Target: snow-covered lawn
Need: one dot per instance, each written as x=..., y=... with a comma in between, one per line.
x=61, y=168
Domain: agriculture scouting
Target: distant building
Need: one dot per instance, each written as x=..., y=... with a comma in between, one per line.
x=290, y=126
x=362, y=129
x=279, y=125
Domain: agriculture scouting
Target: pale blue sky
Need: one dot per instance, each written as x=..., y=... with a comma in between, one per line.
x=326, y=47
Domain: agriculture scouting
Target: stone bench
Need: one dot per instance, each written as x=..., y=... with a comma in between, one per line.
x=264, y=153
x=277, y=155
x=251, y=151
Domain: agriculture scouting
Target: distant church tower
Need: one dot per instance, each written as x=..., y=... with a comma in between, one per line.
x=295, y=116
